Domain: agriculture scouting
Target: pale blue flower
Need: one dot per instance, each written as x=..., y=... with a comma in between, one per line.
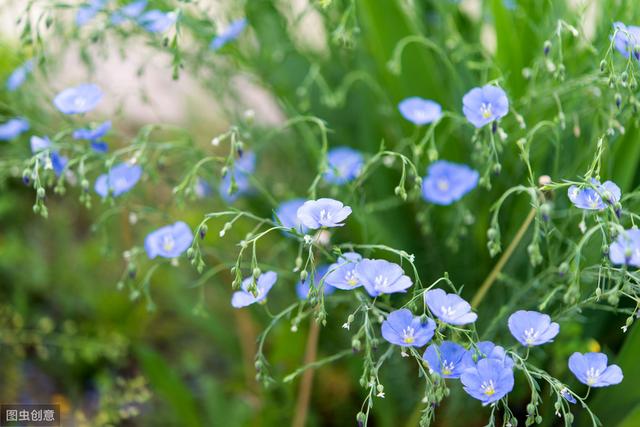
x=287, y=214
x=488, y=381
x=625, y=250
x=169, y=241
x=58, y=162
x=119, y=180
x=38, y=143
x=264, y=283
x=483, y=105
x=531, y=328
x=627, y=39
x=202, y=188
x=89, y=11
x=488, y=350
x=156, y=21
x=406, y=330
x=591, y=369
x=314, y=214
x=449, y=308
x=78, y=99
x=19, y=75
x=243, y=167
x=420, y=111
x=315, y=280
x=447, y=360
x=594, y=198
x=129, y=11
x=94, y=135
x=342, y=274
x=379, y=276
x=231, y=33
x=12, y=128
x=448, y=182
x=344, y=165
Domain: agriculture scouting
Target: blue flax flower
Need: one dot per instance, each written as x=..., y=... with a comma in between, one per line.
x=531, y=328
x=19, y=75
x=169, y=241
x=447, y=182
x=406, y=330
x=591, y=369
x=450, y=308
x=243, y=167
x=344, y=165
x=13, y=128
x=78, y=99
x=58, y=162
x=129, y=11
x=94, y=135
x=342, y=274
x=626, y=248
x=156, y=21
x=627, y=39
x=119, y=180
x=488, y=350
x=595, y=198
x=379, y=276
x=264, y=283
x=202, y=188
x=447, y=360
x=88, y=11
x=303, y=288
x=231, y=33
x=483, y=105
x=488, y=381
x=314, y=214
x=420, y=111
x=287, y=214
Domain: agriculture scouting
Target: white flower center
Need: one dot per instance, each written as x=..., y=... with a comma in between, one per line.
x=167, y=242
x=593, y=375
x=407, y=335
x=447, y=367
x=447, y=311
x=325, y=216
x=381, y=282
x=485, y=110
x=530, y=336
x=442, y=184
x=488, y=388
x=351, y=277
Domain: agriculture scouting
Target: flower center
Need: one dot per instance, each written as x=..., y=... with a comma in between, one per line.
x=485, y=110
x=442, y=184
x=167, y=242
x=447, y=367
x=407, y=335
x=592, y=375
x=381, y=282
x=447, y=311
x=351, y=277
x=325, y=216
x=530, y=336
x=79, y=102
x=488, y=388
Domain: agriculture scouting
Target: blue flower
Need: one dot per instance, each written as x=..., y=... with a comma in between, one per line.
x=626, y=248
x=447, y=360
x=488, y=381
x=488, y=350
x=243, y=167
x=94, y=135
x=314, y=214
x=19, y=75
x=264, y=283
x=231, y=33
x=78, y=99
x=13, y=128
x=202, y=188
x=594, y=198
x=531, y=328
x=406, y=330
x=169, y=241
x=119, y=180
x=156, y=21
x=591, y=369
x=420, y=111
x=303, y=288
x=287, y=214
x=566, y=395
x=344, y=165
x=379, y=276
x=447, y=182
x=88, y=11
x=449, y=308
x=483, y=105
x=58, y=162
x=627, y=39
x=342, y=274
x=130, y=11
